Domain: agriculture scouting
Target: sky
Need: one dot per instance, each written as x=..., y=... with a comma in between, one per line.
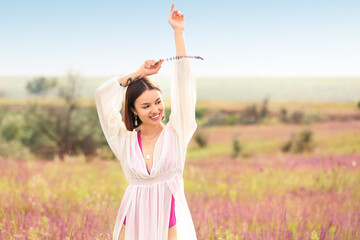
x=240, y=38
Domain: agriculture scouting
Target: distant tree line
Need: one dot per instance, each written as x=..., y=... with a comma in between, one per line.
x=254, y=114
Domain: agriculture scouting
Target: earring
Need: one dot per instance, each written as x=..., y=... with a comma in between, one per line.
x=135, y=120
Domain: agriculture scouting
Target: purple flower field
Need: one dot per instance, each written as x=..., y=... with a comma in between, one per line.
x=284, y=197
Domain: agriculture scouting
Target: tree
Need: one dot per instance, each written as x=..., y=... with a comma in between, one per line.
x=41, y=86
x=57, y=123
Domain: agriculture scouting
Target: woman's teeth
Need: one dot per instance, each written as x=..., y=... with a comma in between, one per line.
x=155, y=116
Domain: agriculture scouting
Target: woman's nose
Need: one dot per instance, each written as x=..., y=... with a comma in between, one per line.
x=154, y=109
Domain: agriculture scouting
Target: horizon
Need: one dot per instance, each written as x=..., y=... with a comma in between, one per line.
x=333, y=89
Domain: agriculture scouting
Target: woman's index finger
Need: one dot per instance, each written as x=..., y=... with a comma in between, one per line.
x=172, y=7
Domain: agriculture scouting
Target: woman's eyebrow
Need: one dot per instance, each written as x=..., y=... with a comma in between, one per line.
x=148, y=103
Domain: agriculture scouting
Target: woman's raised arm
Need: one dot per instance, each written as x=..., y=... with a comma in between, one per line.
x=183, y=85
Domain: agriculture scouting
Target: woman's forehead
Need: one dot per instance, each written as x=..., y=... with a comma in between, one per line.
x=149, y=96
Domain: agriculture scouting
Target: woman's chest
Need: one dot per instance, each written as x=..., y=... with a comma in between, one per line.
x=154, y=157
x=147, y=147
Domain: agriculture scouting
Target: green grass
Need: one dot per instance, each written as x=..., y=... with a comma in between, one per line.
x=341, y=143
x=213, y=150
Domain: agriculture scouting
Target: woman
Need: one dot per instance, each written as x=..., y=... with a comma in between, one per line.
x=152, y=155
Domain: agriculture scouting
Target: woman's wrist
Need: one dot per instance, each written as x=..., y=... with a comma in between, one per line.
x=180, y=43
x=140, y=73
x=128, y=79
x=178, y=31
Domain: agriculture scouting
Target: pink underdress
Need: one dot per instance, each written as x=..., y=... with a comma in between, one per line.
x=172, y=212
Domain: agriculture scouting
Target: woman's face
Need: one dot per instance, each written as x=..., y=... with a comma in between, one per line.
x=148, y=105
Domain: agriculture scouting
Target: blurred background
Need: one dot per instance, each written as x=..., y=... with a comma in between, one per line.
x=277, y=151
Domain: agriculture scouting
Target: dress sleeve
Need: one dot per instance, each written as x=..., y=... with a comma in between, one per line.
x=183, y=100
x=108, y=98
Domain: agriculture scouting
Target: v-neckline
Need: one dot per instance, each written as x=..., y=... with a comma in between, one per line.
x=141, y=152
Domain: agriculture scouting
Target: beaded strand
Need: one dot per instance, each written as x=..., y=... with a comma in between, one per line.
x=179, y=57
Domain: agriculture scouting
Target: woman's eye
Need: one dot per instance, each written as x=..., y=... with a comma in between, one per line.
x=148, y=105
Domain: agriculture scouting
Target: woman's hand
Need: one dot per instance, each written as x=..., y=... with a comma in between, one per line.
x=176, y=19
x=150, y=67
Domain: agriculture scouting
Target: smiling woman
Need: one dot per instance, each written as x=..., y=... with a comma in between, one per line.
x=152, y=155
x=143, y=100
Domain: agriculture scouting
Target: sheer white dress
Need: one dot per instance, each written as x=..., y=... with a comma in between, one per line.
x=147, y=199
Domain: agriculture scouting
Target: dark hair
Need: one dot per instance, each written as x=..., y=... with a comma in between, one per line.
x=133, y=91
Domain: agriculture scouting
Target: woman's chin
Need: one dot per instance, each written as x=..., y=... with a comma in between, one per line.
x=152, y=122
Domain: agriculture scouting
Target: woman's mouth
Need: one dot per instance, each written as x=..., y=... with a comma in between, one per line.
x=156, y=117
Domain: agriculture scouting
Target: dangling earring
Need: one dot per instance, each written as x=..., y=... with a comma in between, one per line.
x=163, y=117
x=135, y=120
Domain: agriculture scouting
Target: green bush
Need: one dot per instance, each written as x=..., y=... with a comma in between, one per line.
x=2, y=114
x=231, y=120
x=250, y=115
x=201, y=138
x=10, y=130
x=167, y=115
x=13, y=127
x=283, y=115
x=300, y=142
x=199, y=112
x=264, y=112
x=217, y=119
x=236, y=147
x=297, y=117
x=14, y=149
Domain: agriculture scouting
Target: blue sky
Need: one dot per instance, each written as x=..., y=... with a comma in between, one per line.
x=236, y=38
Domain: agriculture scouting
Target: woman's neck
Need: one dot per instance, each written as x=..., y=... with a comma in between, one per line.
x=150, y=129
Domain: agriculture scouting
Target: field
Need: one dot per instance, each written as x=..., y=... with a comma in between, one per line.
x=266, y=195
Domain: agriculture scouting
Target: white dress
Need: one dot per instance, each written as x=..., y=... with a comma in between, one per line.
x=147, y=200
